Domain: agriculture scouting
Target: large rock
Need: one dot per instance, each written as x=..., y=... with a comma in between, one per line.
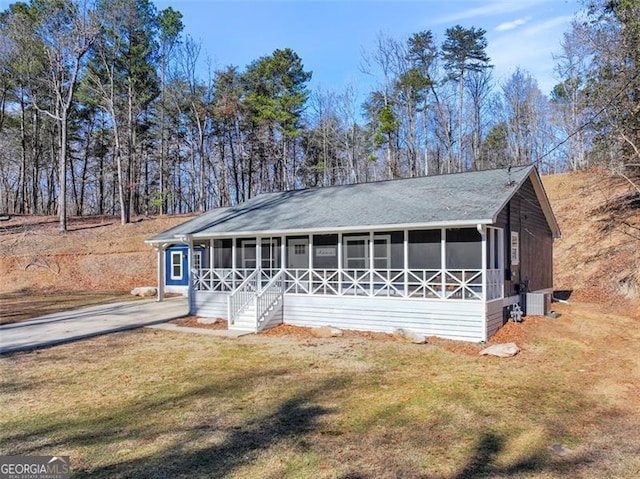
x=409, y=336
x=144, y=291
x=327, y=332
x=505, y=350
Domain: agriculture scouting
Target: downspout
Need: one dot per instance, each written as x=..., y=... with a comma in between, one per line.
x=508, y=274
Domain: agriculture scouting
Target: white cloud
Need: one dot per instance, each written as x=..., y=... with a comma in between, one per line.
x=530, y=48
x=506, y=26
x=563, y=21
x=495, y=8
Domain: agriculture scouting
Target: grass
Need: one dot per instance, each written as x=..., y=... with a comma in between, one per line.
x=25, y=304
x=152, y=403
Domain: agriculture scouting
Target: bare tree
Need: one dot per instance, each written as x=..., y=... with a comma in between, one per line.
x=66, y=31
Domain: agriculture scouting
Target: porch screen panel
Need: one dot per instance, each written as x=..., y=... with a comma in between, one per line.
x=325, y=251
x=424, y=249
x=464, y=249
x=397, y=249
x=270, y=253
x=493, y=250
x=222, y=254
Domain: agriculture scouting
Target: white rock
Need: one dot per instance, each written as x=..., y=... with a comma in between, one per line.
x=410, y=336
x=505, y=350
x=327, y=332
x=144, y=291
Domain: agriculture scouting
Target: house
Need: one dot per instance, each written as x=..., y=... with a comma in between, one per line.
x=440, y=255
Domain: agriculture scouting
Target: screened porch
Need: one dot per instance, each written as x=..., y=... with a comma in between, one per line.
x=435, y=264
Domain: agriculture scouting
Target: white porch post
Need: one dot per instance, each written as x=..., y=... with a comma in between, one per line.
x=189, y=278
x=340, y=264
x=310, y=264
x=500, y=235
x=443, y=261
x=405, y=252
x=160, y=250
x=483, y=234
x=482, y=229
x=211, y=251
x=259, y=261
x=283, y=252
x=371, y=263
x=233, y=262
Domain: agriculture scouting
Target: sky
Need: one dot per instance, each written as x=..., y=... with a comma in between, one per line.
x=330, y=36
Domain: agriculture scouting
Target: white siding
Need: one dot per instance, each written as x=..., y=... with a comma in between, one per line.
x=176, y=289
x=461, y=320
x=494, y=317
x=208, y=304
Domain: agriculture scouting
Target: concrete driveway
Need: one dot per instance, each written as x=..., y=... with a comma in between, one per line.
x=87, y=322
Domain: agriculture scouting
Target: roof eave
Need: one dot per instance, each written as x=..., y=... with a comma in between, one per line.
x=472, y=223
x=545, y=204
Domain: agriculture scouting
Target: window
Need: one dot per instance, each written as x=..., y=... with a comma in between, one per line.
x=300, y=248
x=381, y=252
x=176, y=265
x=248, y=252
x=356, y=252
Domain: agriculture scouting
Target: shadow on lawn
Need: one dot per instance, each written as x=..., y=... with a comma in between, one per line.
x=482, y=464
x=241, y=444
x=294, y=417
x=490, y=445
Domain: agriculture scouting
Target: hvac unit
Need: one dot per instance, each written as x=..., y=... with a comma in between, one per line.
x=538, y=304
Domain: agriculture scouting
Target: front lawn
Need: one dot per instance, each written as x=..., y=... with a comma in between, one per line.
x=153, y=403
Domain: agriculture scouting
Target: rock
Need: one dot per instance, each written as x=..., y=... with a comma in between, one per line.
x=560, y=449
x=327, y=332
x=410, y=336
x=505, y=350
x=144, y=291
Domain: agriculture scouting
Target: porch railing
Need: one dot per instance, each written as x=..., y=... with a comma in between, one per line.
x=242, y=296
x=270, y=294
x=225, y=279
x=454, y=284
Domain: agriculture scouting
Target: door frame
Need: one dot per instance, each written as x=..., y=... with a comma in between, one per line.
x=291, y=244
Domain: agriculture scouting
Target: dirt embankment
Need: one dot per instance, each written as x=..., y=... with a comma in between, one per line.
x=597, y=258
x=96, y=254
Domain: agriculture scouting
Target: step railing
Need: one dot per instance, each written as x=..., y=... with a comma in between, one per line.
x=239, y=299
x=269, y=296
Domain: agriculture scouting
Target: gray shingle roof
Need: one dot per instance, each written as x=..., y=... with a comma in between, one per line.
x=461, y=198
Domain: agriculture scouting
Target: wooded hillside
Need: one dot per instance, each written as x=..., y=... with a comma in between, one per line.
x=105, y=109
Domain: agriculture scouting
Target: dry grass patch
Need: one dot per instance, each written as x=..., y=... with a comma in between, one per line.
x=161, y=404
